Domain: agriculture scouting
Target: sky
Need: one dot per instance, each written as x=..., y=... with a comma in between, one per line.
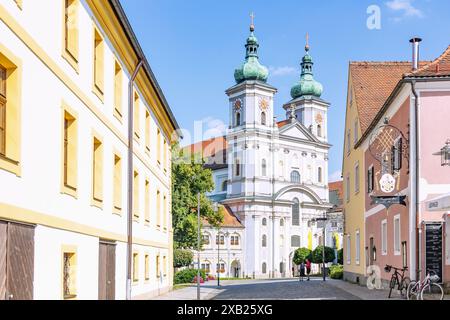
x=194, y=47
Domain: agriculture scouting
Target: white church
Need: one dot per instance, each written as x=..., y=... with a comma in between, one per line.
x=271, y=176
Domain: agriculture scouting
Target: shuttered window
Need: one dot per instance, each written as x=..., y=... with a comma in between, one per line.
x=147, y=130
x=97, y=183
x=147, y=201
x=136, y=195
x=70, y=151
x=99, y=53
x=147, y=267
x=2, y=111
x=118, y=90
x=71, y=29
x=117, y=183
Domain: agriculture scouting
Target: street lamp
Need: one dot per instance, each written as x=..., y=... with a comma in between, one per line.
x=445, y=154
x=198, y=246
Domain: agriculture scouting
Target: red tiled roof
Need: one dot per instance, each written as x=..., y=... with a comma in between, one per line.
x=209, y=147
x=281, y=124
x=373, y=83
x=438, y=68
x=338, y=186
x=229, y=219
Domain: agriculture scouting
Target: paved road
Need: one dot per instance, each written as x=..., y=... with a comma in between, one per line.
x=284, y=290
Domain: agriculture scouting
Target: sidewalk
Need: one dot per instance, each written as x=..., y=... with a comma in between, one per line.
x=207, y=292
x=366, y=294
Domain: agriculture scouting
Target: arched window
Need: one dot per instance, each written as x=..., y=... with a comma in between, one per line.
x=319, y=175
x=238, y=118
x=263, y=118
x=319, y=130
x=264, y=222
x=237, y=168
x=295, y=177
x=264, y=168
x=264, y=241
x=206, y=239
x=224, y=185
x=282, y=223
x=234, y=240
x=296, y=213
x=264, y=268
x=295, y=241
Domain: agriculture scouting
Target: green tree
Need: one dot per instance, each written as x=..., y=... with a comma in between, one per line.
x=182, y=258
x=301, y=255
x=189, y=178
x=317, y=255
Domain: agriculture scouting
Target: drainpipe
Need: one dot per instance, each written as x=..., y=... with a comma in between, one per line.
x=416, y=168
x=130, y=178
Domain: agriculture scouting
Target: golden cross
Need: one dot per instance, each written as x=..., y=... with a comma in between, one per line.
x=307, y=40
x=252, y=16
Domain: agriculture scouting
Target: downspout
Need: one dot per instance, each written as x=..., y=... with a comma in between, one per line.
x=130, y=178
x=273, y=198
x=417, y=229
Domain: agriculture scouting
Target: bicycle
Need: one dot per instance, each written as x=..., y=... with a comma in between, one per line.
x=428, y=289
x=398, y=279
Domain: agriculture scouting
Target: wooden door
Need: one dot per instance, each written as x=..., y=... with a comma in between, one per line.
x=19, y=262
x=107, y=271
x=3, y=237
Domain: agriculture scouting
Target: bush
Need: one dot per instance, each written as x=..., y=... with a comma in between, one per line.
x=301, y=255
x=317, y=255
x=337, y=271
x=182, y=258
x=341, y=256
x=187, y=276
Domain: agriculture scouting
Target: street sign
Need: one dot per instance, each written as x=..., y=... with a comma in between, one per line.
x=389, y=201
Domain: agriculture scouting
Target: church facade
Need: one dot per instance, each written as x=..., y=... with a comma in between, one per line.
x=271, y=175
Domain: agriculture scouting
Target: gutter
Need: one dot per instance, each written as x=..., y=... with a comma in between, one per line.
x=121, y=16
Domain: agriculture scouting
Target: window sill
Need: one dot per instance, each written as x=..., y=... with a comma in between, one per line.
x=117, y=211
x=70, y=297
x=118, y=115
x=10, y=165
x=136, y=219
x=98, y=93
x=397, y=253
x=72, y=61
x=98, y=203
x=70, y=191
x=135, y=283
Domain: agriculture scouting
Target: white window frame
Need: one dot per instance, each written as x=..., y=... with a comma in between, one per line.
x=349, y=249
x=357, y=177
x=384, y=238
x=397, y=251
x=358, y=247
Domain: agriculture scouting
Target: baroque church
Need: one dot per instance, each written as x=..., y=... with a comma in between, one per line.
x=271, y=176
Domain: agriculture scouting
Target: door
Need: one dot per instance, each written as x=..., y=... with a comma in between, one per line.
x=16, y=261
x=107, y=271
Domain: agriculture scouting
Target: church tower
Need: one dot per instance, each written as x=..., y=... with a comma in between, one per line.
x=307, y=106
x=250, y=158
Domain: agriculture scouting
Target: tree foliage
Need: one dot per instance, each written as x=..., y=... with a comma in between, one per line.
x=189, y=178
x=182, y=258
x=301, y=255
x=317, y=255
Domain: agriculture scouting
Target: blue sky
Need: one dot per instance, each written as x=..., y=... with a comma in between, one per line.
x=194, y=47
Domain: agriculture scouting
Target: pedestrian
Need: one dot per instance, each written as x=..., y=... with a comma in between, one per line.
x=301, y=271
x=308, y=267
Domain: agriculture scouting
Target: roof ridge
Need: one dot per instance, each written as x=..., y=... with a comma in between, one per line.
x=432, y=63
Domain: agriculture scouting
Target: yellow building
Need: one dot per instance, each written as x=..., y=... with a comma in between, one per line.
x=68, y=132
x=369, y=86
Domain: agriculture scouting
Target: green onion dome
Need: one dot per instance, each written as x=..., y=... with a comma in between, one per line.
x=251, y=69
x=307, y=86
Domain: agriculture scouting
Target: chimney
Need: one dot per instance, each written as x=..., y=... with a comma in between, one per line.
x=416, y=52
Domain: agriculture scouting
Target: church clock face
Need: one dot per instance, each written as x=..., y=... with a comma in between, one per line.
x=263, y=104
x=237, y=105
x=319, y=118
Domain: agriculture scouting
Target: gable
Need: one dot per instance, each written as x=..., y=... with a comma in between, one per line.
x=296, y=130
x=295, y=133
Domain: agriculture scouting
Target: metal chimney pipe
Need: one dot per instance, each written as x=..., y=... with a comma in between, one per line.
x=416, y=52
